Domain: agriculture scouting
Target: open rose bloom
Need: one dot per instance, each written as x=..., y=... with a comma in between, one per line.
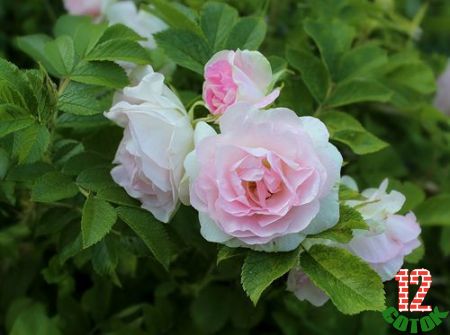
x=240, y=76
x=383, y=246
x=157, y=137
x=266, y=180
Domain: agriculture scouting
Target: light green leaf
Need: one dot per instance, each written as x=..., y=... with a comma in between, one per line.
x=346, y=129
x=10, y=124
x=313, y=72
x=61, y=54
x=120, y=31
x=106, y=74
x=82, y=99
x=97, y=220
x=119, y=50
x=175, y=16
x=342, y=232
x=350, y=283
x=33, y=320
x=248, y=33
x=184, y=48
x=217, y=21
x=364, y=61
x=34, y=46
x=358, y=90
x=332, y=38
x=261, y=269
x=52, y=187
x=434, y=211
x=45, y=93
x=30, y=144
x=152, y=232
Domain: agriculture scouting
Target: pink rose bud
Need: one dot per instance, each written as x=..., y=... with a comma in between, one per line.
x=84, y=7
x=238, y=76
x=262, y=182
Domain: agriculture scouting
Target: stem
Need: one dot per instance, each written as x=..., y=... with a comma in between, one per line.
x=192, y=109
x=63, y=85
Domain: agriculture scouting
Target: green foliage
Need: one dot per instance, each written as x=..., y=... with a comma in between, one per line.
x=79, y=255
x=342, y=232
x=261, y=269
x=351, y=284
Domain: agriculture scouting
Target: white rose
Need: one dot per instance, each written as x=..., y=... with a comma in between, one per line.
x=158, y=135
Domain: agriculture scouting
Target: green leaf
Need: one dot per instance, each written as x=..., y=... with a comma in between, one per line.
x=434, y=211
x=342, y=232
x=97, y=220
x=10, y=124
x=332, y=38
x=30, y=144
x=346, y=193
x=416, y=76
x=119, y=50
x=445, y=241
x=120, y=31
x=34, y=46
x=364, y=60
x=82, y=99
x=313, y=72
x=350, y=283
x=33, y=319
x=211, y=309
x=95, y=179
x=117, y=195
x=105, y=257
x=261, y=269
x=52, y=187
x=184, y=48
x=346, y=129
x=217, y=21
x=106, y=74
x=225, y=253
x=358, y=90
x=175, y=16
x=152, y=232
x=61, y=54
x=4, y=163
x=413, y=193
x=248, y=33
x=417, y=254
x=45, y=93
x=84, y=161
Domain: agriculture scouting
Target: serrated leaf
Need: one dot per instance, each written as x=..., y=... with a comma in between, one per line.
x=260, y=269
x=84, y=161
x=184, y=48
x=358, y=90
x=175, y=17
x=350, y=283
x=81, y=99
x=313, y=72
x=120, y=31
x=349, y=219
x=61, y=54
x=106, y=74
x=151, y=231
x=53, y=186
x=247, y=33
x=332, y=38
x=10, y=125
x=117, y=195
x=97, y=220
x=95, y=178
x=30, y=144
x=105, y=257
x=434, y=211
x=217, y=21
x=34, y=46
x=45, y=93
x=119, y=50
x=346, y=129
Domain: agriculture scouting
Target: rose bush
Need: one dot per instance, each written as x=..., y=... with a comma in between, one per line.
x=173, y=167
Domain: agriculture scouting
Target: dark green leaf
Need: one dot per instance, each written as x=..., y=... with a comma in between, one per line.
x=53, y=186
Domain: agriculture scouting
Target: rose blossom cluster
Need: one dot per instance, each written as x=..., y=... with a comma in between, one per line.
x=259, y=177
x=384, y=246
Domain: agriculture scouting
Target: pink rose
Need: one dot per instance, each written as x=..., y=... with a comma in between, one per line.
x=157, y=137
x=390, y=236
x=84, y=7
x=442, y=98
x=384, y=246
x=238, y=76
x=266, y=181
